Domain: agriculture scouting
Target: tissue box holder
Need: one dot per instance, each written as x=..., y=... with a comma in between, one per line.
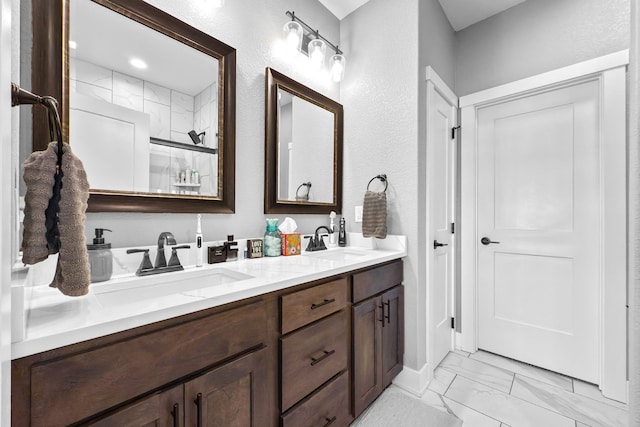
x=291, y=244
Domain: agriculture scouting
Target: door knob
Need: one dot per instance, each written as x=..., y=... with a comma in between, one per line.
x=486, y=241
x=436, y=244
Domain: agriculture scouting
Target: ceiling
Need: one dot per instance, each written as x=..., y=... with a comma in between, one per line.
x=110, y=40
x=461, y=13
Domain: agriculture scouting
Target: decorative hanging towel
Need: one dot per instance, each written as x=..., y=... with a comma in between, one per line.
x=73, y=274
x=374, y=214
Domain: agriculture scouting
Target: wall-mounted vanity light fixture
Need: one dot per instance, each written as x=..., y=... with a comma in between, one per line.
x=296, y=30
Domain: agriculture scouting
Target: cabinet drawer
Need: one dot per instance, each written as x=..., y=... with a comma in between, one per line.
x=311, y=356
x=303, y=307
x=376, y=280
x=107, y=376
x=328, y=406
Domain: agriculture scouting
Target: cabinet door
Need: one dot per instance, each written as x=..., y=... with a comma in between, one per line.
x=232, y=395
x=367, y=347
x=164, y=409
x=392, y=334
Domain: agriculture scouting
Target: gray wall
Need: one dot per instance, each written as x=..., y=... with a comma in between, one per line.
x=254, y=28
x=385, y=122
x=538, y=36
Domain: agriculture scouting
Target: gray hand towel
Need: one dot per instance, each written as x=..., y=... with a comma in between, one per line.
x=374, y=214
x=73, y=274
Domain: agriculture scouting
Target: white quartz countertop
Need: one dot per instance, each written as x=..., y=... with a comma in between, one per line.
x=52, y=320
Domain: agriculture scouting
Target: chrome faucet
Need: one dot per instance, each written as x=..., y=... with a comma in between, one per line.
x=315, y=242
x=161, y=261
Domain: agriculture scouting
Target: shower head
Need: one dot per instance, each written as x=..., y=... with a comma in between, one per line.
x=195, y=137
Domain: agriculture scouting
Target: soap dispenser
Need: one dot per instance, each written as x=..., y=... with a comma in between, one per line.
x=100, y=259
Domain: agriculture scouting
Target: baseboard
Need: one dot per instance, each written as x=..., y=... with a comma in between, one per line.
x=415, y=382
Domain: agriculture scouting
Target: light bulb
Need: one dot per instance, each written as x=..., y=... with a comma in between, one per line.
x=338, y=64
x=317, y=49
x=292, y=32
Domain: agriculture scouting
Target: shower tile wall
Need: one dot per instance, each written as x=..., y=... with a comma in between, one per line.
x=172, y=115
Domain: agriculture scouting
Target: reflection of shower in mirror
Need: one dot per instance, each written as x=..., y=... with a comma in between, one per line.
x=195, y=137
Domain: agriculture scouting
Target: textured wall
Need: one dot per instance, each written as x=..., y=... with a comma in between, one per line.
x=383, y=96
x=538, y=36
x=254, y=28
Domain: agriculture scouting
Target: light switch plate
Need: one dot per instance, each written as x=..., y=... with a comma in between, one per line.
x=358, y=214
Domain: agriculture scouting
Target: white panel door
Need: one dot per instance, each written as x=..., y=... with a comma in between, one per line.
x=440, y=181
x=538, y=204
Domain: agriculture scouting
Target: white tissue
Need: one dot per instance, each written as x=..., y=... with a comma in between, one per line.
x=287, y=226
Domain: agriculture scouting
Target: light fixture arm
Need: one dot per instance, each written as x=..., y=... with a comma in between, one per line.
x=293, y=17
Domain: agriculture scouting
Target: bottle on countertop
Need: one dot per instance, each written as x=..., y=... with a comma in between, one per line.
x=231, y=248
x=100, y=258
x=342, y=234
x=272, y=239
x=199, y=248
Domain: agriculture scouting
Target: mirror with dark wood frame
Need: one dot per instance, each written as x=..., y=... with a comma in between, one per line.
x=187, y=168
x=303, y=148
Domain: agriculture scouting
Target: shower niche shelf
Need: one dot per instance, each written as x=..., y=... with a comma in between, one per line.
x=182, y=145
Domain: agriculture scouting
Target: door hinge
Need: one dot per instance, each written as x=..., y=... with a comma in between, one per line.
x=453, y=323
x=453, y=228
x=453, y=131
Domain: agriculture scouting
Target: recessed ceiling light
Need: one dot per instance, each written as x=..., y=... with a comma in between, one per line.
x=138, y=63
x=72, y=44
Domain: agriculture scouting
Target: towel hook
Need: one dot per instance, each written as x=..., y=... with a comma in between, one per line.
x=382, y=177
x=304, y=197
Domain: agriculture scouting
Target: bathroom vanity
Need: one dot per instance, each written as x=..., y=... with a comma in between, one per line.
x=305, y=340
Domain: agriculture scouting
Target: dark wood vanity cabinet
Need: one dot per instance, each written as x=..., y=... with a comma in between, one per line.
x=378, y=332
x=313, y=355
x=162, y=409
x=134, y=375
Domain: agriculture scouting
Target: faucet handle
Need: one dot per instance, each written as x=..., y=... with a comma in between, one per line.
x=311, y=245
x=320, y=243
x=174, y=255
x=146, y=261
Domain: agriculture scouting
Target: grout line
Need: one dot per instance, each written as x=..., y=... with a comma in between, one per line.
x=475, y=410
x=449, y=386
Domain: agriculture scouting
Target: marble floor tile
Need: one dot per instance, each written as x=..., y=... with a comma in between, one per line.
x=435, y=400
x=492, y=376
x=503, y=407
x=462, y=353
x=592, y=391
x=572, y=405
x=441, y=380
x=470, y=417
x=521, y=368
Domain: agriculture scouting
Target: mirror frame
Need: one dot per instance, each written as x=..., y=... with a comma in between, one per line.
x=50, y=25
x=275, y=80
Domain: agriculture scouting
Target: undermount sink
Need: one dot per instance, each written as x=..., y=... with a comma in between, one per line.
x=132, y=290
x=337, y=254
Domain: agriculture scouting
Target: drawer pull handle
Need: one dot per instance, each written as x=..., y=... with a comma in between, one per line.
x=321, y=358
x=330, y=421
x=325, y=302
x=175, y=412
x=198, y=403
